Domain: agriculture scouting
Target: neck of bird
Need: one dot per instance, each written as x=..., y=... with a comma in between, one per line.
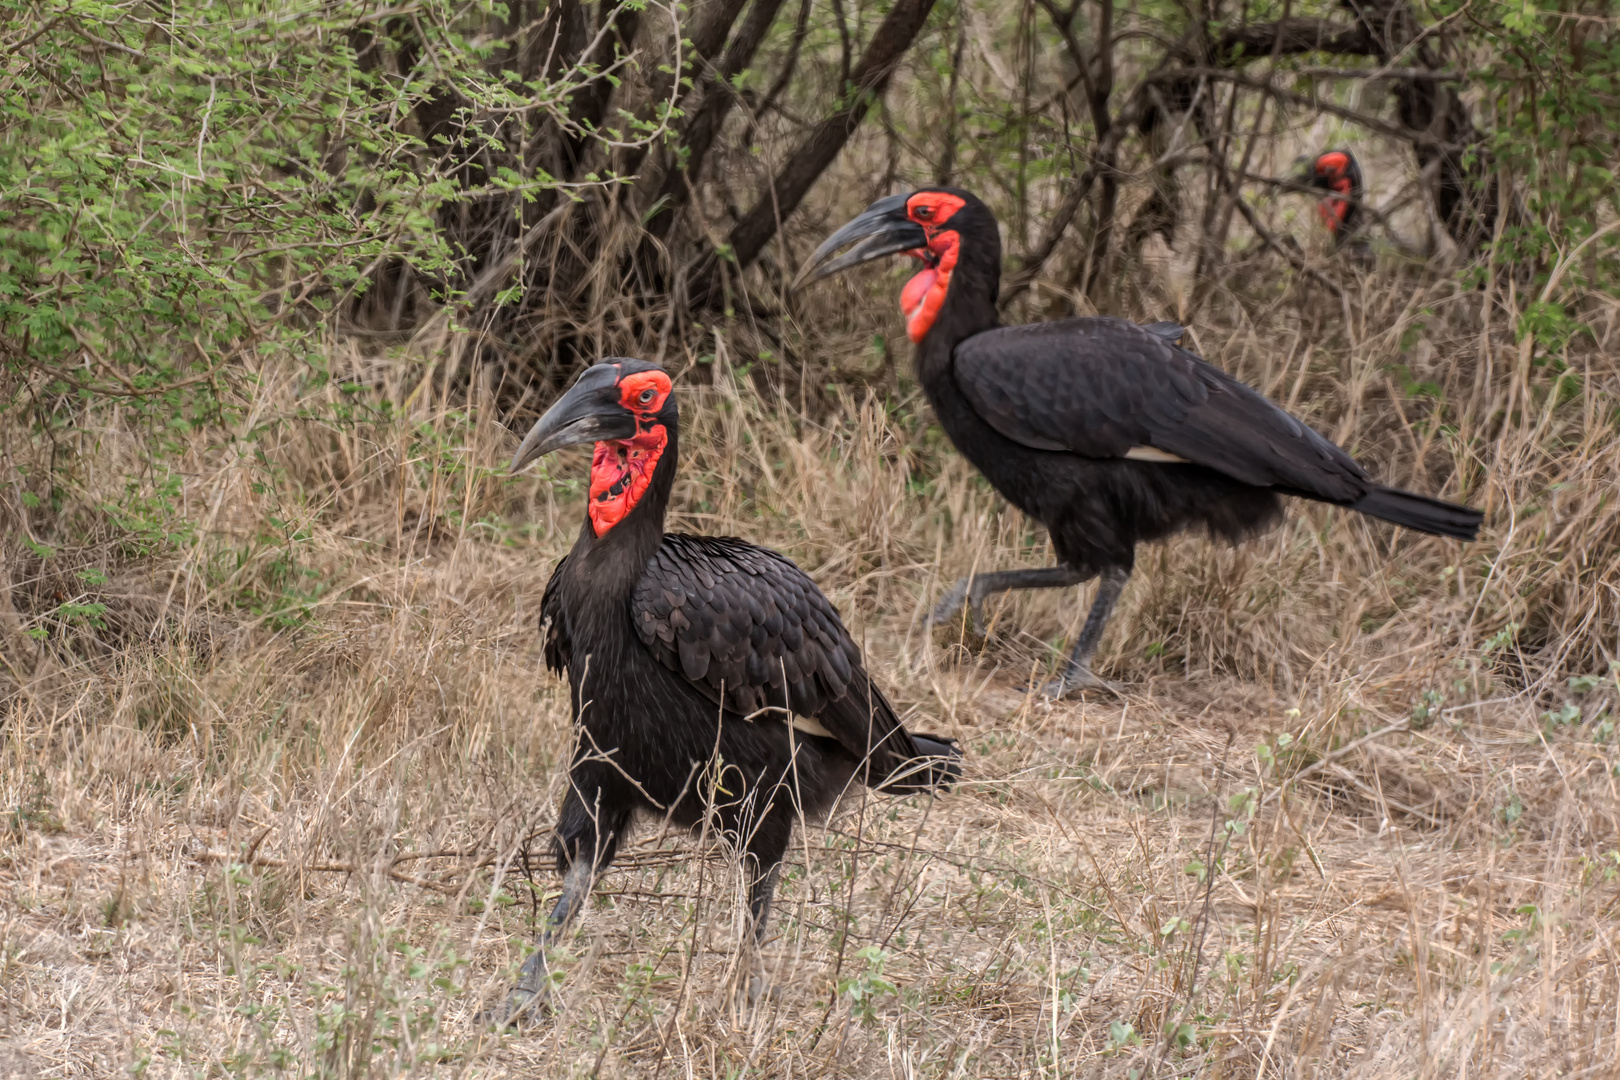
x=969, y=308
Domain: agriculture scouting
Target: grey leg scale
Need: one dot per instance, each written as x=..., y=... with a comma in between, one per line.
x=531, y=987
x=976, y=589
x=759, y=900
x=1077, y=673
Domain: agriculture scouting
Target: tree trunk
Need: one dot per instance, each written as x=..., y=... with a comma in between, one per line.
x=867, y=82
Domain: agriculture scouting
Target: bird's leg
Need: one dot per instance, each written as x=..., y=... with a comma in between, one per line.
x=974, y=590
x=1077, y=673
x=587, y=838
x=760, y=894
x=759, y=900
x=533, y=977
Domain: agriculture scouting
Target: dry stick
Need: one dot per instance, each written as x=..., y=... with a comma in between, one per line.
x=1163, y=1042
x=1223, y=173
x=713, y=780
x=1294, y=258
x=1032, y=261
x=1328, y=759
x=319, y=868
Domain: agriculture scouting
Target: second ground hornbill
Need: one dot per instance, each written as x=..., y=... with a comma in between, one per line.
x=1338, y=173
x=707, y=675
x=1105, y=431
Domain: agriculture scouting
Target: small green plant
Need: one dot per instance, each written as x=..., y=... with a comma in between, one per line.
x=1426, y=709
x=1566, y=715
x=1122, y=1034
x=869, y=987
x=1512, y=810
x=1502, y=639
x=1181, y=1036
x=1242, y=807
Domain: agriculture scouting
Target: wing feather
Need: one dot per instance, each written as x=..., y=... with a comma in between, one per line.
x=750, y=630
x=555, y=642
x=1108, y=389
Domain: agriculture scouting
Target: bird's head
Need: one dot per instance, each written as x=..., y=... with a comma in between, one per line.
x=627, y=409
x=1337, y=172
x=939, y=226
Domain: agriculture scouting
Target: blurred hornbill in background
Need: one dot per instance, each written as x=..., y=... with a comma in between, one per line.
x=706, y=674
x=1339, y=174
x=1105, y=431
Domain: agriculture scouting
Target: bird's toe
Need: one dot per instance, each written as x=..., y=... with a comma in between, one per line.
x=949, y=604
x=960, y=636
x=521, y=1009
x=1072, y=683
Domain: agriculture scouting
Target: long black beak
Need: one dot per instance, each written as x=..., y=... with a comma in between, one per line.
x=589, y=412
x=882, y=228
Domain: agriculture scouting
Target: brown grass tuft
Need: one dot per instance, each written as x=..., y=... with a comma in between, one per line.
x=1350, y=820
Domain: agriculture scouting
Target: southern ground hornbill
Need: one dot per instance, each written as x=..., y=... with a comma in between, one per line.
x=1105, y=431
x=707, y=675
x=1339, y=174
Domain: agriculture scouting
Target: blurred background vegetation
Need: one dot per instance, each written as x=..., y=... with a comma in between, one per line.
x=280, y=281
x=491, y=195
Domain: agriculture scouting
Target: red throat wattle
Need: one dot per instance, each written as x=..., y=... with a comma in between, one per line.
x=1334, y=211
x=1334, y=167
x=621, y=469
x=620, y=472
x=924, y=294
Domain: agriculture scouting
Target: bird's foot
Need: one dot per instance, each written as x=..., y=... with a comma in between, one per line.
x=960, y=643
x=527, y=1001
x=958, y=619
x=1075, y=680
x=950, y=603
x=950, y=609
x=520, y=1010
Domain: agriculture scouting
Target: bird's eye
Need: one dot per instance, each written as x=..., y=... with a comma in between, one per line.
x=647, y=395
x=924, y=212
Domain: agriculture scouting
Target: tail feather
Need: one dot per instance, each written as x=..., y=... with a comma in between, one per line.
x=1421, y=513
x=938, y=769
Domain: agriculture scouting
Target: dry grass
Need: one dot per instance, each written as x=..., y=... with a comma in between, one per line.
x=299, y=841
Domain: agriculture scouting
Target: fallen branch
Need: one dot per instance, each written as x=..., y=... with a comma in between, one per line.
x=1307, y=101
x=323, y=868
x=1294, y=258
x=627, y=860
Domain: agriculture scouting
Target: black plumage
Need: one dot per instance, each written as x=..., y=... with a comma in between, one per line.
x=707, y=674
x=1107, y=432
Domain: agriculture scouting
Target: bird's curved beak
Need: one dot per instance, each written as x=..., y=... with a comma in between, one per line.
x=883, y=229
x=589, y=412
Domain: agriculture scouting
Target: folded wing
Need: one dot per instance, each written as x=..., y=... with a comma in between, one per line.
x=751, y=631
x=1108, y=389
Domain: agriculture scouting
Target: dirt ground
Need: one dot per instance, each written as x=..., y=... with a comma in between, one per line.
x=244, y=884
x=1342, y=822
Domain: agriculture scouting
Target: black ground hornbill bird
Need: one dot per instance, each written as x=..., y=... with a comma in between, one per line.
x=706, y=674
x=1338, y=173
x=1105, y=431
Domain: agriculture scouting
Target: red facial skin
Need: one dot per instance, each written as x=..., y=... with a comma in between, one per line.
x=621, y=469
x=1334, y=167
x=920, y=300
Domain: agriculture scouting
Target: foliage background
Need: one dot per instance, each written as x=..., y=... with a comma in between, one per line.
x=279, y=281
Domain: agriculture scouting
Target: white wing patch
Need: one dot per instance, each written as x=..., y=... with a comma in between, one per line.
x=810, y=727
x=1150, y=453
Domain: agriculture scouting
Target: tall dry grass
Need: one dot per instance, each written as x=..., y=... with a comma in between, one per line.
x=281, y=807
